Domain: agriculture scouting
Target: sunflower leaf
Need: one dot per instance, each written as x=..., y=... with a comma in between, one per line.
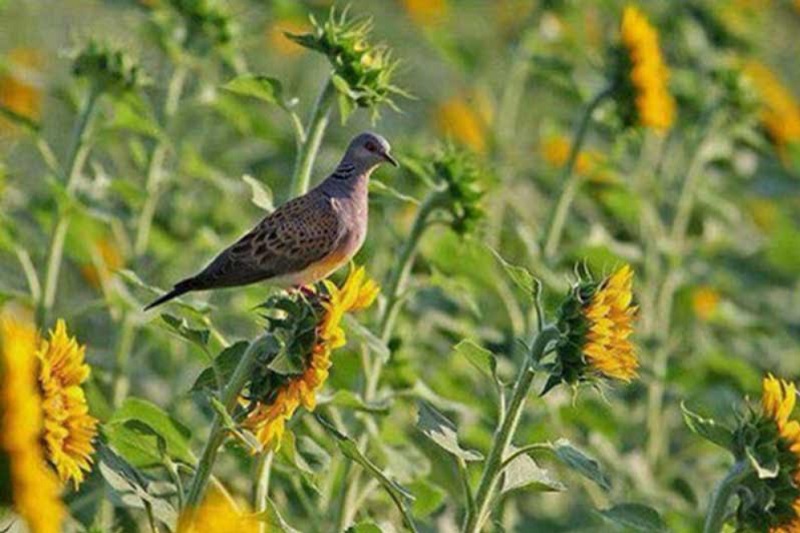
x=708, y=428
x=442, y=432
x=636, y=517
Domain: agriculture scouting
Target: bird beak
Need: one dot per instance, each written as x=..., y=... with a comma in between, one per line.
x=390, y=159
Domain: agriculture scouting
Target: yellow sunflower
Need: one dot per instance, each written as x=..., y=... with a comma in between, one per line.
x=649, y=73
x=780, y=111
x=426, y=13
x=34, y=487
x=69, y=429
x=596, y=321
x=268, y=421
x=217, y=515
x=777, y=402
x=466, y=120
x=588, y=163
x=705, y=301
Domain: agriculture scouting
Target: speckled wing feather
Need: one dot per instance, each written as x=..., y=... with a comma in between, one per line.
x=298, y=234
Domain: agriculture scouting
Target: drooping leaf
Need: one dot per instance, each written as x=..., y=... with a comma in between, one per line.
x=264, y=88
x=581, y=463
x=429, y=497
x=442, y=432
x=707, y=428
x=272, y=517
x=635, y=516
x=349, y=449
x=478, y=356
x=225, y=364
x=176, y=436
x=365, y=527
x=521, y=276
x=181, y=327
x=262, y=195
x=373, y=342
x=351, y=400
x=130, y=488
x=523, y=473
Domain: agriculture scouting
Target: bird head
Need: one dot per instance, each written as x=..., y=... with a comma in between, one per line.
x=368, y=150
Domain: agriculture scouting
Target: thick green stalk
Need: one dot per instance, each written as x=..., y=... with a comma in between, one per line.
x=570, y=180
x=503, y=436
x=155, y=167
x=120, y=382
x=229, y=397
x=393, y=291
x=76, y=157
x=261, y=492
x=309, y=148
x=717, y=507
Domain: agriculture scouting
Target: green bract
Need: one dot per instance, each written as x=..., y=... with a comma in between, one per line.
x=570, y=364
x=770, y=489
x=362, y=72
x=107, y=69
x=460, y=175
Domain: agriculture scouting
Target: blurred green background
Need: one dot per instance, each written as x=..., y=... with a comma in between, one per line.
x=506, y=80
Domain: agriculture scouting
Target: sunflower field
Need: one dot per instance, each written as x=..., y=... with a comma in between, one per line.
x=576, y=307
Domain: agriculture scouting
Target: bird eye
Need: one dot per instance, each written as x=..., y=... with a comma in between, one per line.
x=371, y=146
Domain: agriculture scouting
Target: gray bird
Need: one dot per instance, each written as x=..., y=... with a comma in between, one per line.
x=307, y=238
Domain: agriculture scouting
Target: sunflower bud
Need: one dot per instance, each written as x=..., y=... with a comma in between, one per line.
x=457, y=171
x=596, y=321
x=107, y=69
x=362, y=72
x=206, y=25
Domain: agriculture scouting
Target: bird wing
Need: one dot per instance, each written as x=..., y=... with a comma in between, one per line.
x=298, y=234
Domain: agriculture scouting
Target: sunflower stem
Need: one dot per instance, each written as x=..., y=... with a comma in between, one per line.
x=570, y=179
x=394, y=288
x=229, y=398
x=76, y=157
x=505, y=433
x=155, y=167
x=717, y=507
x=261, y=492
x=309, y=144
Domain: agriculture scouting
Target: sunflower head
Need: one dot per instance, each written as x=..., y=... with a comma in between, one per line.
x=218, y=515
x=596, y=322
x=768, y=438
x=640, y=74
x=29, y=485
x=69, y=429
x=306, y=332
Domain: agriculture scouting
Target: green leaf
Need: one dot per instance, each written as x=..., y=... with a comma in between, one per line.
x=707, y=428
x=364, y=527
x=242, y=435
x=524, y=473
x=131, y=489
x=273, y=518
x=264, y=88
x=478, y=356
x=581, y=463
x=521, y=276
x=225, y=364
x=429, y=497
x=373, y=342
x=377, y=187
x=442, y=432
x=351, y=400
x=349, y=449
x=132, y=114
x=175, y=435
x=635, y=516
x=139, y=446
x=181, y=327
x=262, y=195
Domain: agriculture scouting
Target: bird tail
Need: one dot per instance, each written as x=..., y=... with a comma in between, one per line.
x=182, y=287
